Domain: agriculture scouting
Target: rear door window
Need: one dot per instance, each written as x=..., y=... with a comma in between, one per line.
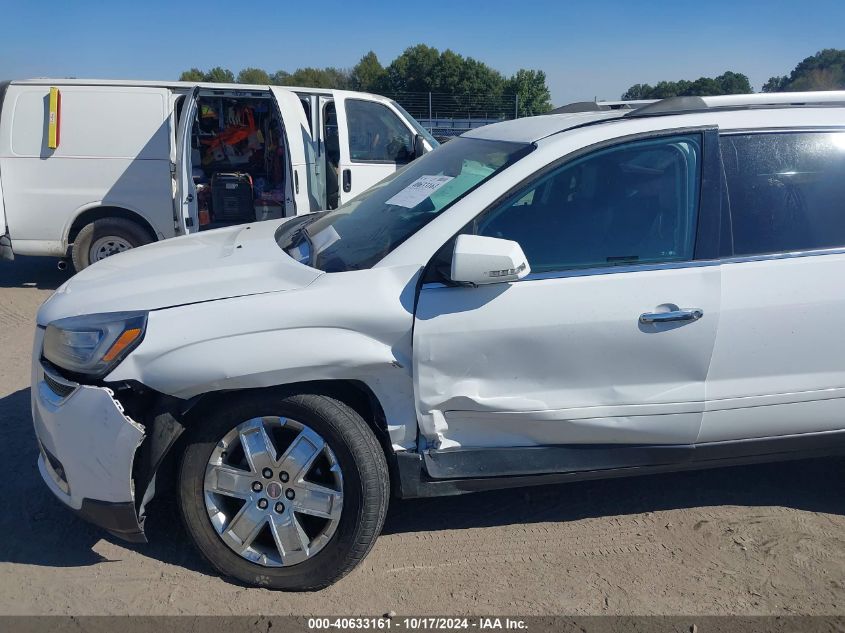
x=787, y=191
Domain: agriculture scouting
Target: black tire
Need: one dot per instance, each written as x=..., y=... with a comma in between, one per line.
x=126, y=230
x=366, y=488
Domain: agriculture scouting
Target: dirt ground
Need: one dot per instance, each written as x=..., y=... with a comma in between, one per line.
x=752, y=540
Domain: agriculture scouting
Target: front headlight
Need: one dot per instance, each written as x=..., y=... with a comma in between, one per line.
x=93, y=344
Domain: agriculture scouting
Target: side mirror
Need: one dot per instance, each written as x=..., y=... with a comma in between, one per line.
x=481, y=260
x=419, y=146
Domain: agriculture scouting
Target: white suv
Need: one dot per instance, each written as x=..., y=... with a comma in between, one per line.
x=571, y=296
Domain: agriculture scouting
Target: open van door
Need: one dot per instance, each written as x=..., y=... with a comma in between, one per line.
x=299, y=187
x=375, y=141
x=5, y=244
x=185, y=194
x=2, y=212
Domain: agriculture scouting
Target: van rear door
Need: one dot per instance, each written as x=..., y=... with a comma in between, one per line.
x=5, y=243
x=299, y=187
x=185, y=196
x=2, y=212
x=312, y=103
x=375, y=141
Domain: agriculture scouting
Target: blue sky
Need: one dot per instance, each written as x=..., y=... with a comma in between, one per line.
x=591, y=48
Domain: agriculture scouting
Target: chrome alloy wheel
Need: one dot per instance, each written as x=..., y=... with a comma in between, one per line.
x=273, y=491
x=106, y=247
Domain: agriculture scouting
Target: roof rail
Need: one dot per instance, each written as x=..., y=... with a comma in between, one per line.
x=600, y=106
x=682, y=105
x=628, y=104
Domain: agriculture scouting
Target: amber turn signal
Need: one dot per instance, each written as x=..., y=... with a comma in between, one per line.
x=123, y=341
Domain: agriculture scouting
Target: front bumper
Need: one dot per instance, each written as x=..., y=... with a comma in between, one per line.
x=87, y=447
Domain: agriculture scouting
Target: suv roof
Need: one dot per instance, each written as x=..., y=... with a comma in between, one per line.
x=534, y=128
x=531, y=129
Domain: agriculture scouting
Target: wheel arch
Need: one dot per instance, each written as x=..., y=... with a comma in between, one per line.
x=98, y=211
x=354, y=393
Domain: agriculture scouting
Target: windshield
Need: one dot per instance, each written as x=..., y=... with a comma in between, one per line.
x=364, y=230
x=416, y=125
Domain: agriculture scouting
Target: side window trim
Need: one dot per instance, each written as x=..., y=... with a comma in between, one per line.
x=617, y=270
x=807, y=129
x=359, y=161
x=818, y=252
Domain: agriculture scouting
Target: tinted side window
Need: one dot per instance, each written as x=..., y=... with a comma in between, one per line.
x=377, y=134
x=787, y=191
x=633, y=203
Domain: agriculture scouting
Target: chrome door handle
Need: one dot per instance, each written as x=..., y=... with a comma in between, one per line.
x=693, y=314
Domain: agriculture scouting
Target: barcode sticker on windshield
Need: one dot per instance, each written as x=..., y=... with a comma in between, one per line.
x=418, y=191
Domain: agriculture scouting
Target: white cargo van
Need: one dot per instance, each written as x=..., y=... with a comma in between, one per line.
x=93, y=168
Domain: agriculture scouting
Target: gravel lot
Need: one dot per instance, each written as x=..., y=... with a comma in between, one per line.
x=754, y=540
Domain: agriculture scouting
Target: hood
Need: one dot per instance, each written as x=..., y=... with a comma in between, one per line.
x=219, y=264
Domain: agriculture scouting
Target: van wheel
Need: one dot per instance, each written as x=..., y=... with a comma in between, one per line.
x=105, y=237
x=283, y=491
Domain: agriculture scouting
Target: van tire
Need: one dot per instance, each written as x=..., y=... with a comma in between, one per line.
x=365, y=488
x=125, y=232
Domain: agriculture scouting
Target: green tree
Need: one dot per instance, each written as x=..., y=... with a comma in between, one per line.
x=337, y=78
x=254, y=76
x=311, y=77
x=701, y=87
x=666, y=89
x=530, y=88
x=728, y=82
x=449, y=73
x=821, y=79
x=823, y=71
x=195, y=74
x=280, y=78
x=776, y=84
x=413, y=70
x=478, y=78
x=731, y=83
x=319, y=78
x=636, y=92
x=220, y=75
x=462, y=86
x=368, y=74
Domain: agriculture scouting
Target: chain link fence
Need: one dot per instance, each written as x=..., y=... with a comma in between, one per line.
x=448, y=115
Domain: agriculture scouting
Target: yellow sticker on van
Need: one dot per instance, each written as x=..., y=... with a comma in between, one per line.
x=53, y=124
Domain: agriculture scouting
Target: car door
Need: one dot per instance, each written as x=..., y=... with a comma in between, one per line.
x=607, y=342
x=186, y=210
x=300, y=186
x=778, y=366
x=374, y=142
